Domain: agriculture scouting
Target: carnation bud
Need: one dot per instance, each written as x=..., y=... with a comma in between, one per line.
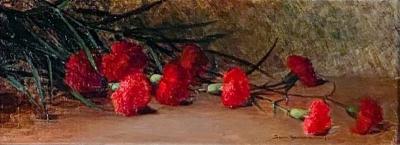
x=155, y=78
x=352, y=110
x=298, y=113
x=215, y=88
x=113, y=86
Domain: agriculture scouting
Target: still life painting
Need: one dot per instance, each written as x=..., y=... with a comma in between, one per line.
x=199, y=72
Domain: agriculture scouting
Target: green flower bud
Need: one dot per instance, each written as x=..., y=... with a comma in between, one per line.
x=155, y=78
x=298, y=113
x=214, y=88
x=352, y=110
x=113, y=86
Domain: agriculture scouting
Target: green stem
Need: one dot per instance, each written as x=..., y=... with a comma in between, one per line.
x=79, y=38
x=242, y=61
x=325, y=97
x=275, y=104
x=257, y=65
x=116, y=17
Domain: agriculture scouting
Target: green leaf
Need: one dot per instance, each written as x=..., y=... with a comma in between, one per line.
x=215, y=88
x=38, y=83
x=96, y=38
x=116, y=17
x=49, y=48
x=352, y=110
x=50, y=72
x=83, y=99
x=91, y=39
x=80, y=40
x=154, y=55
x=155, y=78
x=20, y=87
x=298, y=113
x=16, y=84
x=62, y=4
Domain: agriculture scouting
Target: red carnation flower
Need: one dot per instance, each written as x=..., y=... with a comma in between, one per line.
x=133, y=94
x=173, y=86
x=235, y=88
x=369, y=116
x=125, y=58
x=81, y=76
x=318, y=121
x=193, y=59
x=303, y=69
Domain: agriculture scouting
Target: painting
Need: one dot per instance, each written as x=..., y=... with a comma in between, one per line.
x=199, y=72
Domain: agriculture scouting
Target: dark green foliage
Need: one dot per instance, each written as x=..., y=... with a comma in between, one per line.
x=35, y=44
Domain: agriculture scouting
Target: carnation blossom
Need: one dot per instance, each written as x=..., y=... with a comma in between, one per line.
x=133, y=94
x=303, y=69
x=193, y=59
x=235, y=88
x=80, y=76
x=369, y=116
x=125, y=57
x=173, y=86
x=318, y=121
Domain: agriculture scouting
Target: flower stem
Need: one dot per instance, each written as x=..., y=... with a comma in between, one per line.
x=242, y=61
x=344, y=106
x=257, y=65
x=325, y=97
x=275, y=104
x=117, y=17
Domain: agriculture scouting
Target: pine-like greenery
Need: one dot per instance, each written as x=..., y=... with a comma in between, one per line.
x=35, y=44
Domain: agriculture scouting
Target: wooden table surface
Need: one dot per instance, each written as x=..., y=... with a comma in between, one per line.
x=206, y=121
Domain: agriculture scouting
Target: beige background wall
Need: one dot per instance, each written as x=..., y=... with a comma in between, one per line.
x=341, y=37
x=351, y=38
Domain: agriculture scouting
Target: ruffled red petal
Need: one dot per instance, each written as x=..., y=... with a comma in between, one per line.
x=318, y=121
x=133, y=94
x=125, y=58
x=369, y=116
x=173, y=86
x=303, y=69
x=193, y=59
x=81, y=76
x=235, y=88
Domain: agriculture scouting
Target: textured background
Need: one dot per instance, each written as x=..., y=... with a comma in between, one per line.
x=343, y=38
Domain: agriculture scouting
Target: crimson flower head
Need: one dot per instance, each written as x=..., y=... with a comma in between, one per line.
x=81, y=76
x=318, y=121
x=173, y=86
x=125, y=58
x=235, y=88
x=303, y=69
x=193, y=59
x=369, y=116
x=133, y=94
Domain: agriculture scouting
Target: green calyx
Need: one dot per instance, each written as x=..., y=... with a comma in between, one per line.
x=290, y=78
x=215, y=88
x=352, y=110
x=155, y=78
x=298, y=113
x=113, y=86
